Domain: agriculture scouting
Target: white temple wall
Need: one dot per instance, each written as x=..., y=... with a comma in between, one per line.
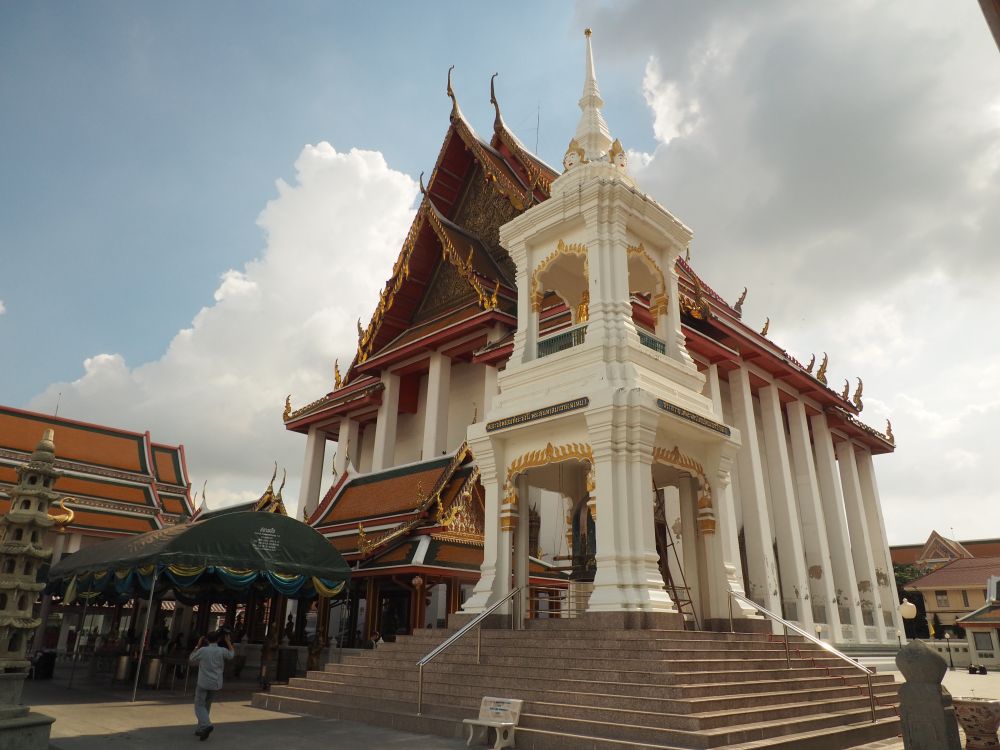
x=465, y=400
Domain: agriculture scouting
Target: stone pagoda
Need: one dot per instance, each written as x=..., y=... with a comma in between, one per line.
x=23, y=551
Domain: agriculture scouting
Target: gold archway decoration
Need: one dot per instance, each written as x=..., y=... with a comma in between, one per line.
x=537, y=290
x=550, y=454
x=706, y=511
x=658, y=298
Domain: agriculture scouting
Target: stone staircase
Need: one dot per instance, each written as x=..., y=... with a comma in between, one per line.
x=597, y=688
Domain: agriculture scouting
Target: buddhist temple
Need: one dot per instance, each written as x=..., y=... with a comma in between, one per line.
x=549, y=397
x=115, y=483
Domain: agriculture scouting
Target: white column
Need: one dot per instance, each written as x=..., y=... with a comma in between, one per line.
x=674, y=336
x=885, y=579
x=385, y=427
x=791, y=555
x=857, y=525
x=312, y=470
x=436, y=410
x=613, y=590
x=348, y=446
x=713, y=390
x=814, y=539
x=832, y=497
x=494, y=577
x=763, y=572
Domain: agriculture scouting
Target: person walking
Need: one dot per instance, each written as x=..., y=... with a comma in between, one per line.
x=210, y=655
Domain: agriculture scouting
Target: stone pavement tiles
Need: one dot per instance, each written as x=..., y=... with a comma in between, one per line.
x=89, y=718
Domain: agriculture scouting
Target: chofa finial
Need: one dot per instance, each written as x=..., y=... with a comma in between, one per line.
x=888, y=431
x=767, y=325
x=846, y=393
x=498, y=118
x=821, y=374
x=738, y=307
x=455, y=111
x=858, y=403
x=288, y=407
x=812, y=361
x=337, y=380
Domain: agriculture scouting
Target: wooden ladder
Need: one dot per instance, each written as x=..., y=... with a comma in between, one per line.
x=679, y=591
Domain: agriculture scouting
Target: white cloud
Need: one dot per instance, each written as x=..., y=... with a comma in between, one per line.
x=3, y=307
x=275, y=327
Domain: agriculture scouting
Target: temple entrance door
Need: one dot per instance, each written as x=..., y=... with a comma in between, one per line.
x=679, y=545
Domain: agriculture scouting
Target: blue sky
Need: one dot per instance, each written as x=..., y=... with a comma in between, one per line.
x=198, y=200
x=141, y=141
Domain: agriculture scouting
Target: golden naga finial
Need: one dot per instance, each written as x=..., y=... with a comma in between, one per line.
x=858, y=403
x=494, y=298
x=361, y=331
x=274, y=475
x=846, y=393
x=821, y=374
x=455, y=111
x=699, y=297
x=498, y=119
x=767, y=324
x=420, y=183
x=337, y=380
x=65, y=518
x=888, y=431
x=288, y=407
x=738, y=307
x=284, y=477
x=812, y=361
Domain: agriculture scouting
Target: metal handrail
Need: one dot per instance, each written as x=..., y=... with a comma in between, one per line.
x=475, y=622
x=822, y=644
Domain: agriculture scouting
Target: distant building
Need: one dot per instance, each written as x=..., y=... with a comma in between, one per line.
x=939, y=550
x=957, y=588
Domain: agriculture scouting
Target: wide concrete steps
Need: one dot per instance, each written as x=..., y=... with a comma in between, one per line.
x=587, y=688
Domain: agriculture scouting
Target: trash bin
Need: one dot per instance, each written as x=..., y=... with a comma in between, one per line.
x=287, y=661
x=153, y=671
x=121, y=668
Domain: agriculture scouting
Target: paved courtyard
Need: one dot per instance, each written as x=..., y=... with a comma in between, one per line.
x=99, y=717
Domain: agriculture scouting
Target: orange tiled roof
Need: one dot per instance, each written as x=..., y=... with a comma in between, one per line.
x=967, y=571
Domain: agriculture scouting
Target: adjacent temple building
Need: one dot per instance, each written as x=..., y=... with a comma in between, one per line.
x=549, y=397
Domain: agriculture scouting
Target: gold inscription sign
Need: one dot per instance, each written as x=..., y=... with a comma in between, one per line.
x=692, y=417
x=531, y=416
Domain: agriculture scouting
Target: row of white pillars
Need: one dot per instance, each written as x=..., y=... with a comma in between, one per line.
x=823, y=517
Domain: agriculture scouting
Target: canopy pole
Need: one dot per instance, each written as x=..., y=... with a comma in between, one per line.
x=145, y=634
x=76, y=643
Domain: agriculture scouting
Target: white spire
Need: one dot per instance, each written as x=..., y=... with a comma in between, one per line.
x=592, y=134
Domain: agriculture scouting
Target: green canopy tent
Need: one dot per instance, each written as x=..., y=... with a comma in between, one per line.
x=237, y=552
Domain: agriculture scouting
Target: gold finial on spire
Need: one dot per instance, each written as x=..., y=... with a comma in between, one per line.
x=888, y=431
x=455, y=111
x=846, y=393
x=767, y=324
x=738, y=307
x=858, y=403
x=812, y=361
x=288, y=407
x=337, y=380
x=587, y=32
x=821, y=374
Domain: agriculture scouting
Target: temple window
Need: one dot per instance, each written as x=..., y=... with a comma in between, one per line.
x=560, y=297
x=649, y=295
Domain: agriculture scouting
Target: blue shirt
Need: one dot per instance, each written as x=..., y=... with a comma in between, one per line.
x=211, y=660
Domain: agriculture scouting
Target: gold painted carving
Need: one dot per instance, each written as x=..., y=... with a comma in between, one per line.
x=767, y=325
x=508, y=523
x=487, y=300
x=550, y=454
x=858, y=403
x=846, y=393
x=888, y=432
x=738, y=307
x=337, y=380
x=65, y=518
x=812, y=362
x=537, y=291
x=288, y=407
x=583, y=311
x=674, y=457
